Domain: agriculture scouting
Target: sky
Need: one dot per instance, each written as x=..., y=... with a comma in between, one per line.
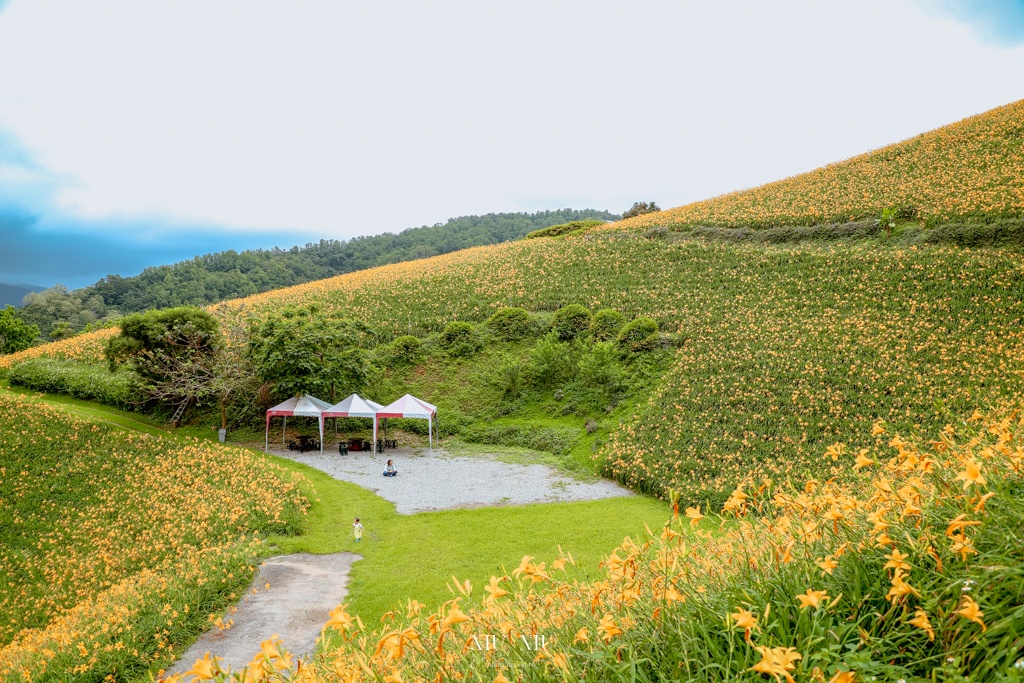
x=134, y=134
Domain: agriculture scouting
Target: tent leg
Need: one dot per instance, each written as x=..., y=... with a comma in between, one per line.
x=430, y=434
x=266, y=437
x=375, y=436
x=284, y=428
x=321, y=425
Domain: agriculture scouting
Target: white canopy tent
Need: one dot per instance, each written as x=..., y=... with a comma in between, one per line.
x=410, y=407
x=300, y=406
x=356, y=406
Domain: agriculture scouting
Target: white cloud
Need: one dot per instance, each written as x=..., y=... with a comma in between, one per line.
x=352, y=118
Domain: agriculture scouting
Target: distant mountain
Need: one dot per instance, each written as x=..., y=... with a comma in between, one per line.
x=11, y=295
x=229, y=274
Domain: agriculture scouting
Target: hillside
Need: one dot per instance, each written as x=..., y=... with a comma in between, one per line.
x=115, y=546
x=226, y=275
x=781, y=350
x=967, y=171
x=11, y=295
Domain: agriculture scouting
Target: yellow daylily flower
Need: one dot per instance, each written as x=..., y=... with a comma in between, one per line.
x=205, y=667
x=972, y=474
x=494, y=591
x=694, y=515
x=827, y=565
x=812, y=598
x=607, y=628
x=920, y=620
x=862, y=460
x=896, y=560
x=971, y=611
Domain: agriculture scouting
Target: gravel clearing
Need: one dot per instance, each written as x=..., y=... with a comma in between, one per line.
x=444, y=482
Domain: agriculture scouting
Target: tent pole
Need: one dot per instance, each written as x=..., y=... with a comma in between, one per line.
x=320, y=420
x=430, y=433
x=266, y=437
x=284, y=428
x=375, y=434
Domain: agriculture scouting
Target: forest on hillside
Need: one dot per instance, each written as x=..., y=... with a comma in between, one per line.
x=210, y=278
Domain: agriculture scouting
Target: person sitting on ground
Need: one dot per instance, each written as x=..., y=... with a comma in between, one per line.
x=390, y=470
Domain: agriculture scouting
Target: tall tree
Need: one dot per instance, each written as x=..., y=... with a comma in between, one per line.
x=301, y=351
x=15, y=333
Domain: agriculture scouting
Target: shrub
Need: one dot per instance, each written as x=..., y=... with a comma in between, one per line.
x=549, y=361
x=78, y=380
x=606, y=324
x=570, y=321
x=510, y=324
x=459, y=339
x=639, y=335
x=406, y=350
x=599, y=368
x=510, y=376
x=564, y=229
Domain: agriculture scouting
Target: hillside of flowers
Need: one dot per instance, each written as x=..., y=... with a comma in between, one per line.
x=784, y=349
x=115, y=546
x=967, y=170
x=910, y=571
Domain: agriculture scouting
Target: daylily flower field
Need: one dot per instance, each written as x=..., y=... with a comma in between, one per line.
x=911, y=569
x=109, y=536
x=838, y=440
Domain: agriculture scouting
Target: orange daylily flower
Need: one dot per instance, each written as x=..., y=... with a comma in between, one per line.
x=971, y=611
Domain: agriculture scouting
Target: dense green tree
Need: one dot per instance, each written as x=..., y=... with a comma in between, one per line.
x=301, y=351
x=173, y=353
x=15, y=333
x=640, y=208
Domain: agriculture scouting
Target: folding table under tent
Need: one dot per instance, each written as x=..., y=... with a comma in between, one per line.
x=298, y=406
x=356, y=406
x=410, y=407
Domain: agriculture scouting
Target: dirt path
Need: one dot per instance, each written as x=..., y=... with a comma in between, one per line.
x=303, y=590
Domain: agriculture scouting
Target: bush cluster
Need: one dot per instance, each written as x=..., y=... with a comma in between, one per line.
x=557, y=440
x=78, y=380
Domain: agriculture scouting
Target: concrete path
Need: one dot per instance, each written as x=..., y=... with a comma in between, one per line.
x=303, y=590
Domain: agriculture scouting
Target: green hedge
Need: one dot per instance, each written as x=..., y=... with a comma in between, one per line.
x=564, y=229
x=75, y=379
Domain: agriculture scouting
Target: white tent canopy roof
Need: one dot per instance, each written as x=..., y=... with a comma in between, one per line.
x=353, y=406
x=408, y=406
x=303, y=406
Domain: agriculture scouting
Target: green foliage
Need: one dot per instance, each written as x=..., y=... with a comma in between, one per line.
x=550, y=362
x=15, y=334
x=301, y=351
x=639, y=209
x=459, y=339
x=557, y=440
x=571, y=321
x=606, y=324
x=576, y=227
x=599, y=368
x=511, y=376
x=639, y=335
x=405, y=350
x=79, y=380
x=147, y=337
x=510, y=324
